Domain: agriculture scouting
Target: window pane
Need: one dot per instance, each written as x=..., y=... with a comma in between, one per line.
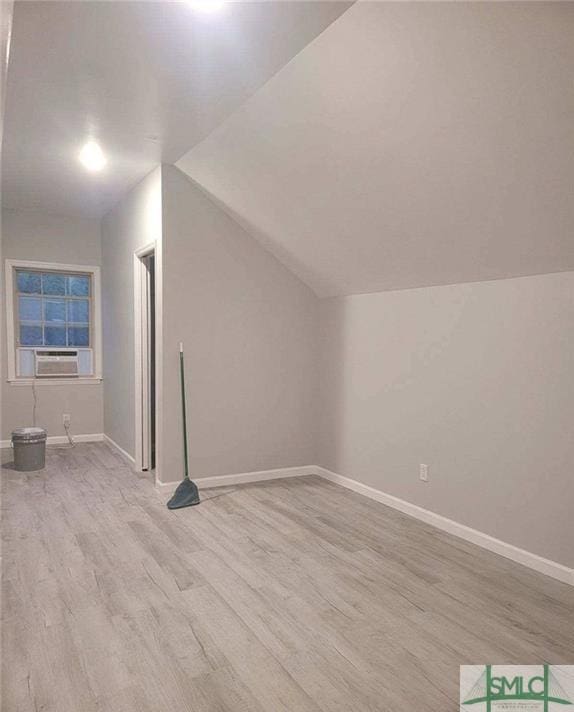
x=78, y=336
x=55, y=335
x=30, y=335
x=55, y=310
x=78, y=311
x=53, y=283
x=79, y=286
x=29, y=309
x=28, y=282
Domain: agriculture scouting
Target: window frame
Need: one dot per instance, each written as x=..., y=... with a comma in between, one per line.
x=12, y=342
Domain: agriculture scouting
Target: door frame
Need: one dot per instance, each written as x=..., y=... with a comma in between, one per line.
x=141, y=376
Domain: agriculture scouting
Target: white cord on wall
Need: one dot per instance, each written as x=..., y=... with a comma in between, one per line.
x=70, y=438
x=35, y=395
x=71, y=442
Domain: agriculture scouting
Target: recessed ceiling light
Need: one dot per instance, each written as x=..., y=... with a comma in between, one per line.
x=207, y=6
x=92, y=156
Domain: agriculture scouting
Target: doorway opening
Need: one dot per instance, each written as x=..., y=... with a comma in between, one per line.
x=145, y=357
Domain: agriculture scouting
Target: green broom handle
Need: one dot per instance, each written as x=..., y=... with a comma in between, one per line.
x=181, y=373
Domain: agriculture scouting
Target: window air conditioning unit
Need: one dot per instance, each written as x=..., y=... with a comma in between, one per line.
x=53, y=364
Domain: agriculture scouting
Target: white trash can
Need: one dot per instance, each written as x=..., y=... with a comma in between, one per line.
x=29, y=449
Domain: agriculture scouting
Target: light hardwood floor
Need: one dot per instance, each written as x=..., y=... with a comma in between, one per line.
x=293, y=595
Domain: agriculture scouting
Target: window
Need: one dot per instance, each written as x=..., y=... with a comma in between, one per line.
x=52, y=307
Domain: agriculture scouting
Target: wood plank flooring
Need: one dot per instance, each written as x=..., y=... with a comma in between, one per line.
x=293, y=595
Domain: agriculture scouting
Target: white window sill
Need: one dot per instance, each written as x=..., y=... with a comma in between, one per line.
x=81, y=381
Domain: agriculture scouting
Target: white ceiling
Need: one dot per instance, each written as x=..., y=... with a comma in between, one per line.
x=147, y=80
x=410, y=144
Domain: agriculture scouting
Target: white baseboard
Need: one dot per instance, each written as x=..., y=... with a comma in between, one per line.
x=521, y=556
x=123, y=452
x=243, y=478
x=63, y=440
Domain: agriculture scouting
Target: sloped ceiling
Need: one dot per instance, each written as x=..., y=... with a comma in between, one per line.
x=410, y=144
x=146, y=79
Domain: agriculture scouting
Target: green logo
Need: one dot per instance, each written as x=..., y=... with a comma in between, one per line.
x=519, y=684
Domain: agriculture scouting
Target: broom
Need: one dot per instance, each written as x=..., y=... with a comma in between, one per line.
x=186, y=494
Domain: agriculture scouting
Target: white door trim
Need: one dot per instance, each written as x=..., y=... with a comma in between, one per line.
x=140, y=333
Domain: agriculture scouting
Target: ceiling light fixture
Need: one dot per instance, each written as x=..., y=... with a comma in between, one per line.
x=207, y=6
x=92, y=156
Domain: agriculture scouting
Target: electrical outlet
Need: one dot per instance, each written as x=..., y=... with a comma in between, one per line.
x=66, y=418
x=424, y=473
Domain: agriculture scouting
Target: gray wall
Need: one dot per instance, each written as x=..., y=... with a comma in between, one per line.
x=475, y=380
x=249, y=328
x=6, y=13
x=132, y=224
x=50, y=238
